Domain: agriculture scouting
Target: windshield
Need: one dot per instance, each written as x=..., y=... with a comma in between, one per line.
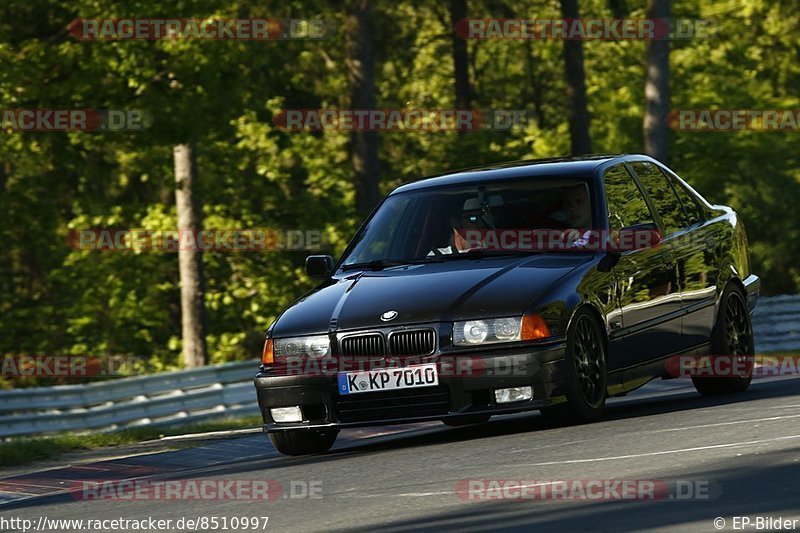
x=443, y=223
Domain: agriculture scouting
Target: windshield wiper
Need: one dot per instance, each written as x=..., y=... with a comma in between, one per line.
x=380, y=264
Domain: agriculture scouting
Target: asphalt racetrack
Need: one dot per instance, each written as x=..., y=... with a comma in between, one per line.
x=713, y=463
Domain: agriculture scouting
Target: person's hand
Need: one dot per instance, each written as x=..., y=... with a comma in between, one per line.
x=459, y=242
x=575, y=238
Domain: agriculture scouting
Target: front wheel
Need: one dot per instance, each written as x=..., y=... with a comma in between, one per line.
x=584, y=371
x=303, y=441
x=732, y=337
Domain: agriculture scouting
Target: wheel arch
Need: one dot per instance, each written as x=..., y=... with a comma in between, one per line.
x=595, y=313
x=732, y=281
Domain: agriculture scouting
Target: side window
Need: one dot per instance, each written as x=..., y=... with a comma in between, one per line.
x=663, y=196
x=694, y=212
x=626, y=205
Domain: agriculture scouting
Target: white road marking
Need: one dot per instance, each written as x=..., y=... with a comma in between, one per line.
x=422, y=494
x=750, y=421
x=221, y=433
x=663, y=452
x=351, y=493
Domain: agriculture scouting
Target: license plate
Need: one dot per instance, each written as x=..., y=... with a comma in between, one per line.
x=410, y=377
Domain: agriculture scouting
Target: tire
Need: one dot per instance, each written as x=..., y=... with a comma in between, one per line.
x=584, y=372
x=732, y=335
x=466, y=420
x=303, y=441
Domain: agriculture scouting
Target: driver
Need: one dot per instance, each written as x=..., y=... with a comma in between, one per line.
x=578, y=216
x=459, y=228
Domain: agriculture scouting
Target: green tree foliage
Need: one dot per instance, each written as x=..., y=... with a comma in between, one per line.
x=222, y=96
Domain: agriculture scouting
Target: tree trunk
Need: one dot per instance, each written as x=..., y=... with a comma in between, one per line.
x=656, y=88
x=5, y=171
x=619, y=8
x=535, y=85
x=576, y=86
x=458, y=11
x=361, y=73
x=190, y=262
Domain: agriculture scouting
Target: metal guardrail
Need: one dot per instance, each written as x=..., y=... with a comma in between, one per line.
x=776, y=323
x=68, y=396
x=227, y=390
x=168, y=397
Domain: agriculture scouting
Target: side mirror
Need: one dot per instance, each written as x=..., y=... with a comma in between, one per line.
x=609, y=261
x=319, y=266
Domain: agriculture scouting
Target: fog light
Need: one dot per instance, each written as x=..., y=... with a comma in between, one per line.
x=514, y=394
x=287, y=414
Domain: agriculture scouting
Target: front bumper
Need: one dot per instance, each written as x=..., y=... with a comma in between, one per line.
x=538, y=366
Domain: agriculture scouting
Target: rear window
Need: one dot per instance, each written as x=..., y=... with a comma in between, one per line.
x=691, y=205
x=663, y=196
x=626, y=205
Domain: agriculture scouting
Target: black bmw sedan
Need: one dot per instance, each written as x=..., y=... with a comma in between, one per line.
x=544, y=285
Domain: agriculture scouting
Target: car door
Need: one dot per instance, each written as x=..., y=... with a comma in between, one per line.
x=697, y=252
x=647, y=285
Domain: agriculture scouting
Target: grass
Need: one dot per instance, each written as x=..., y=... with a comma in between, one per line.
x=787, y=353
x=24, y=450
x=772, y=356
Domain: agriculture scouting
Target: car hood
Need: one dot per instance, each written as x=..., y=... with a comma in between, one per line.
x=431, y=292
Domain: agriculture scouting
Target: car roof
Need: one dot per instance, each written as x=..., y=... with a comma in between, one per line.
x=573, y=167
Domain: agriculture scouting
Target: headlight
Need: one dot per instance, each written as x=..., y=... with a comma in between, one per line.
x=492, y=330
x=472, y=332
x=316, y=347
x=507, y=329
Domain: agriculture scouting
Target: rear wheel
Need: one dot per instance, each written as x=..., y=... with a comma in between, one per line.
x=303, y=441
x=585, y=373
x=733, y=337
